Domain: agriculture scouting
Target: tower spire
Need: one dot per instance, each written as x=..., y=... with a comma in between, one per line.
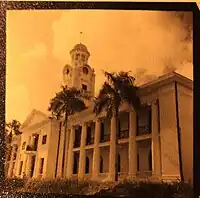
x=80, y=36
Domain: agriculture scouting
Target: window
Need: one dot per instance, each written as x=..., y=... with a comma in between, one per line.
x=77, y=56
x=150, y=160
x=89, y=135
x=138, y=162
x=84, y=87
x=144, y=121
x=83, y=57
x=41, y=165
x=6, y=169
x=87, y=165
x=14, y=156
x=44, y=139
x=102, y=132
x=67, y=71
x=158, y=115
x=101, y=165
x=32, y=166
x=119, y=162
x=20, y=167
x=23, y=145
x=9, y=154
x=85, y=70
x=119, y=128
x=76, y=160
x=13, y=166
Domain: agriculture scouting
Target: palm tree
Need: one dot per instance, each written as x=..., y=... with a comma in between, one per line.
x=12, y=128
x=118, y=88
x=66, y=102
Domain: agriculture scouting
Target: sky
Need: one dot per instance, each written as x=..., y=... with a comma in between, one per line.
x=147, y=43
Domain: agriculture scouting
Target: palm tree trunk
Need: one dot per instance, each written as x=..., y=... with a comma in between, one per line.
x=64, y=145
x=116, y=142
x=58, y=149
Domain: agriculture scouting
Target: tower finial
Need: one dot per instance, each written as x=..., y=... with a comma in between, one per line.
x=80, y=36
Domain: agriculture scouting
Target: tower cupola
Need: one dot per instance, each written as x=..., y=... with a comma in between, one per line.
x=79, y=55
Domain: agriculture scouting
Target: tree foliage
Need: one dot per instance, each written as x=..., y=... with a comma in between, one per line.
x=117, y=89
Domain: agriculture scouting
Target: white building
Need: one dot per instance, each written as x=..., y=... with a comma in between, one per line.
x=148, y=143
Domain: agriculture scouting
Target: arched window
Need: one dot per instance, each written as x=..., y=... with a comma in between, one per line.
x=87, y=165
x=150, y=160
x=119, y=163
x=101, y=165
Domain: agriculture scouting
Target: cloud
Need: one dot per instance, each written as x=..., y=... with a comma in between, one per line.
x=125, y=40
x=38, y=50
x=17, y=102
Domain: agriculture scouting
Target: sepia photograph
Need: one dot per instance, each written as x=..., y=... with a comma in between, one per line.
x=99, y=102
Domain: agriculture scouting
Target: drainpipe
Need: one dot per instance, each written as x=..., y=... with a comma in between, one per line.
x=178, y=133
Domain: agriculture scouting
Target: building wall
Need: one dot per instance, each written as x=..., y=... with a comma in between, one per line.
x=185, y=98
x=168, y=133
x=42, y=150
x=168, y=138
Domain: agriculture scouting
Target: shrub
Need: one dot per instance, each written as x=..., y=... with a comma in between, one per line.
x=12, y=184
x=150, y=190
x=59, y=186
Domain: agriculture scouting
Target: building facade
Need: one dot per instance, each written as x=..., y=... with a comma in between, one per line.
x=156, y=143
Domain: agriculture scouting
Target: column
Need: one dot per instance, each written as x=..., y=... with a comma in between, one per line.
x=28, y=166
x=96, y=153
x=70, y=160
x=24, y=166
x=132, y=155
x=113, y=149
x=156, y=159
x=81, y=170
x=10, y=162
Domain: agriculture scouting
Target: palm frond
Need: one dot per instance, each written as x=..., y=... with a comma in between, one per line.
x=118, y=88
x=67, y=101
x=100, y=104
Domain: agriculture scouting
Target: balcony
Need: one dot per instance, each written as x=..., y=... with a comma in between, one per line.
x=143, y=130
x=105, y=138
x=30, y=149
x=123, y=134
